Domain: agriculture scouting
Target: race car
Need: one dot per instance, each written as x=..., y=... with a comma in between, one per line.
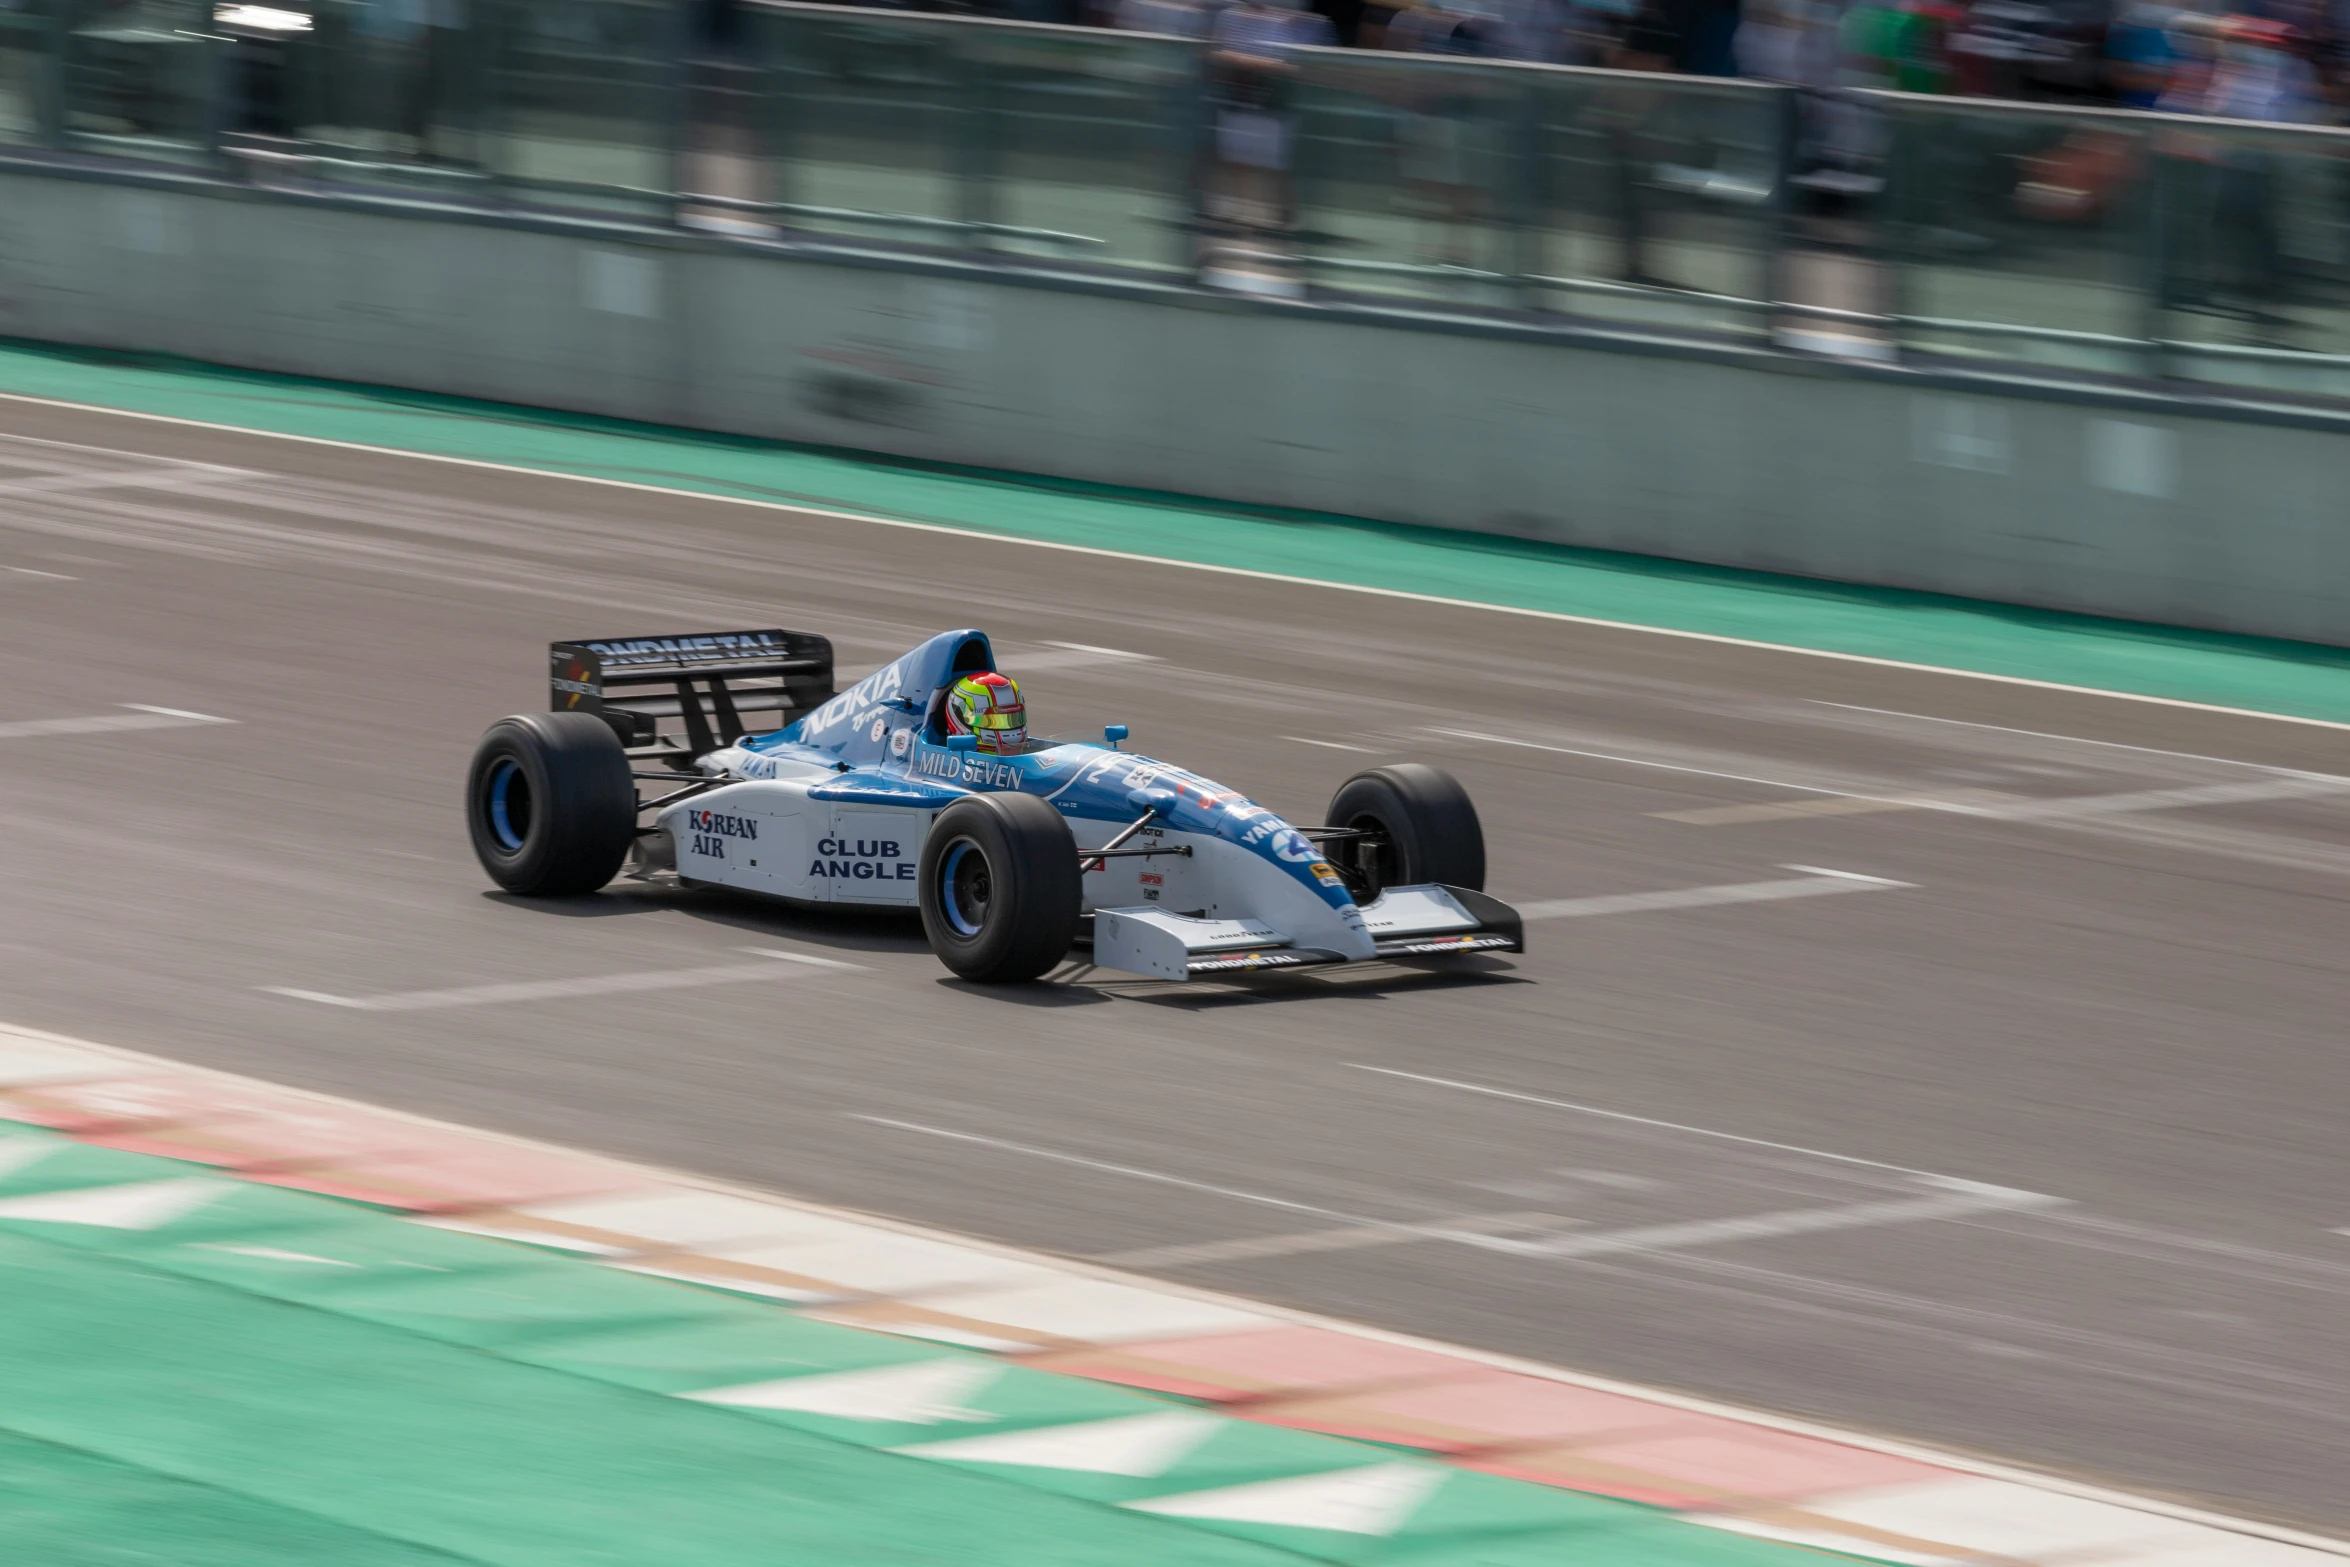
x=918, y=788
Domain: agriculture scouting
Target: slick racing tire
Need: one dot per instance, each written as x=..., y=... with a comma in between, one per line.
x=1417, y=824
x=550, y=803
x=1000, y=888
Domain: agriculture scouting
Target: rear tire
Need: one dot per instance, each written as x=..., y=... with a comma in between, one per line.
x=1419, y=826
x=1000, y=889
x=550, y=804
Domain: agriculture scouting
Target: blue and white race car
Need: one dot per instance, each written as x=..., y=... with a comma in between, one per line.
x=1014, y=857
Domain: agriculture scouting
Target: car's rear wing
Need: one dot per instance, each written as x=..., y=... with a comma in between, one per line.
x=693, y=693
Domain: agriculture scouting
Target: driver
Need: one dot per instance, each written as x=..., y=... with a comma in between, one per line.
x=987, y=707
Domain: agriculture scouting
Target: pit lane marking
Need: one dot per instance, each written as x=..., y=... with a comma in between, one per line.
x=558, y=989
x=1816, y=882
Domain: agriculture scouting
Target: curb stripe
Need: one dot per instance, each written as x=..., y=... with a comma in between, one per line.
x=1886, y=1490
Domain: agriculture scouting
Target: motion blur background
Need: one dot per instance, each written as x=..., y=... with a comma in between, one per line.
x=1958, y=181
x=2043, y=307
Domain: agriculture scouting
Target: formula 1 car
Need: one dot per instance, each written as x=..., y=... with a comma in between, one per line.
x=784, y=788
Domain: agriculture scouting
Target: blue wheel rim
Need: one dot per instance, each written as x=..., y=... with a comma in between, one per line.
x=501, y=792
x=950, y=900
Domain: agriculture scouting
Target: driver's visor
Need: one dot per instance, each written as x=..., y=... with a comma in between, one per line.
x=1001, y=718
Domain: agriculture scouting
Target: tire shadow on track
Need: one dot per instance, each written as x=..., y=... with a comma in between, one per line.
x=1378, y=984
x=846, y=930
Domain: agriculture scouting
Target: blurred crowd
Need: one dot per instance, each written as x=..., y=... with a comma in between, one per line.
x=2277, y=60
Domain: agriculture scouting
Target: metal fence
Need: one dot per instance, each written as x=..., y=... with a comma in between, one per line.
x=1875, y=225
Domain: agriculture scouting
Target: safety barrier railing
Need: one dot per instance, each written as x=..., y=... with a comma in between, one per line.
x=2057, y=240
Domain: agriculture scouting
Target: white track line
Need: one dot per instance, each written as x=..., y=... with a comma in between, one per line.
x=839, y=515
x=1668, y=767
x=1818, y=884
x=2285, y=785
x=1002, y=1145
x=108, y=723
x=76, y=483
x=2064, y=807
x=1643, y=1120
x=560, y=989
x=2043, y=734
x=1958, y=1199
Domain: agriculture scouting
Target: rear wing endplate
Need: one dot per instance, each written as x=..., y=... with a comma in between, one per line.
x=693, y=693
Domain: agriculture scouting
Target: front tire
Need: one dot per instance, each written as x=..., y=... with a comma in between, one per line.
x=1000, y=890
x=550, y=804
x=1418, y=826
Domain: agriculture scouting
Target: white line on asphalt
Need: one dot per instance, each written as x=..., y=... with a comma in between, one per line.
x=1643, y=1120
x=2042, y=734
x=1079, y=655
x=1472, y=1229
x=1461, y=1231
x=1641, y=761
x=836, y=514
x=1329, y=745
x=1958, y=1199
x=1081, y=1162
x=175, y=712
x=109, y=451
x=558, y=989
x=144, y=717
x=1253, y=1248
x=1816, y=883
x=2064, y=807
x=1106, y=652
x=2060, y=808
x=151, y=479
x=27, y=571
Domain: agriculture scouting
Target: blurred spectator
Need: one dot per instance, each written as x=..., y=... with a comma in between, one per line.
x=1250, y=71
x=2226, y=192
x=1443, y=134
x=1901, y=44
x=1178, y=18
x=2260, y=74
x=1792, y=42
x=1695, y=37
x=1480, y=29
x=2139, y=53
x=1458, y=27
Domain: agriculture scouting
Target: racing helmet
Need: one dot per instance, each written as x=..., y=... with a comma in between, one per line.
x=987, y=706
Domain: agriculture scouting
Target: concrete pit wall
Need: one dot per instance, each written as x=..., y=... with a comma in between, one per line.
x=2114, y=504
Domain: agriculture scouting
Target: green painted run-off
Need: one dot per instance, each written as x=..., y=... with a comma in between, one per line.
x=206, y=1373
x=2297, y=678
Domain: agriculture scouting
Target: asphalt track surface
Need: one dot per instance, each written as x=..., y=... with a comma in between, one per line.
x=1980, y=1085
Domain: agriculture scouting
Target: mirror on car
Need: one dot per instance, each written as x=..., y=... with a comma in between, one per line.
x=1114, y=733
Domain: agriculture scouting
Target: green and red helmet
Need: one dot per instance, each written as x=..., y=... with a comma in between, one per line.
x=988, y=707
